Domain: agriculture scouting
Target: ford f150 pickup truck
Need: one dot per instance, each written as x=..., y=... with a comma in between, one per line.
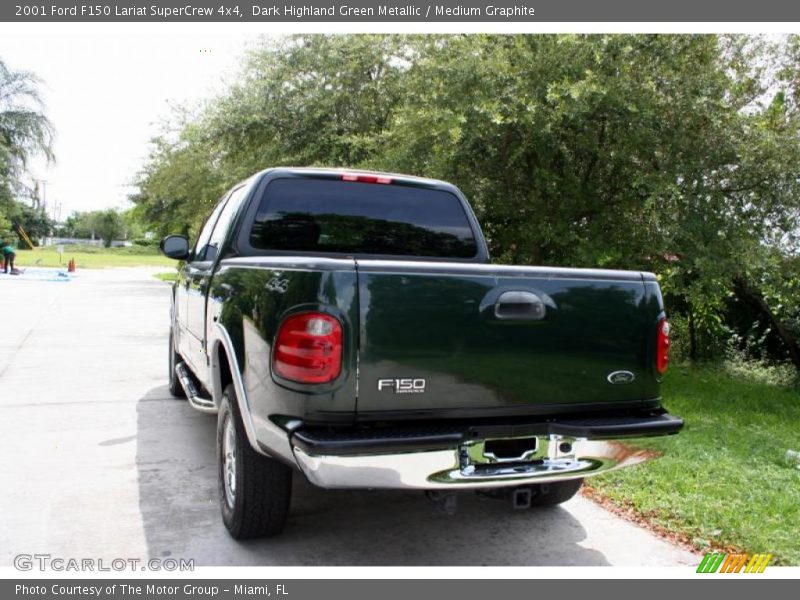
x=349, y=325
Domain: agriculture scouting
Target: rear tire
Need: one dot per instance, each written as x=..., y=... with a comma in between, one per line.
x=254, y=490
x=552, y=494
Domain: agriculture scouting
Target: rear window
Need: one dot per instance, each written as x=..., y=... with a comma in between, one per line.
x=327, y=215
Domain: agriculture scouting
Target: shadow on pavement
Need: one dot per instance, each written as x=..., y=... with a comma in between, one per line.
x=176, y=463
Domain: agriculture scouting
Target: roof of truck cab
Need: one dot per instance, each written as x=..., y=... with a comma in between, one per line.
x=323, y=171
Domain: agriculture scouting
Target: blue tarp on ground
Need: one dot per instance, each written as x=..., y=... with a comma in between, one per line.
x=37, y=274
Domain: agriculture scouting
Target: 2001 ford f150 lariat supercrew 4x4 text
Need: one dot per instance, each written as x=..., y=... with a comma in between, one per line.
x=350, y=325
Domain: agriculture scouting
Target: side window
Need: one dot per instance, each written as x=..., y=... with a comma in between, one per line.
x=201, y=246
x=224, y=221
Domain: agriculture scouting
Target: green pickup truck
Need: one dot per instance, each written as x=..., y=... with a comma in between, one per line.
x=349, y=325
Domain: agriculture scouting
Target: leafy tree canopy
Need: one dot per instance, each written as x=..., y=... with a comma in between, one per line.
x=677, y=154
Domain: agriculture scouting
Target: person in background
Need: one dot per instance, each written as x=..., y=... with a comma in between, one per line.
x=8, y=257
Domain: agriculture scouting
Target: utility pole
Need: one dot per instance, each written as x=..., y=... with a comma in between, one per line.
x=40, y=202
x=44, y=197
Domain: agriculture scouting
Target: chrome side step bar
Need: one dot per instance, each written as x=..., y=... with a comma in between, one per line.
x=197, y=401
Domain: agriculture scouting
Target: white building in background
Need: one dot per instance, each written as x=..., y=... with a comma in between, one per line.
x=67, y=241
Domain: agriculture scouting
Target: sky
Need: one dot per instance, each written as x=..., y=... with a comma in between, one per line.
x=107, y=94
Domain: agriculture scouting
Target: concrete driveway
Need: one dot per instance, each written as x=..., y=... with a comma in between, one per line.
x=98, y=460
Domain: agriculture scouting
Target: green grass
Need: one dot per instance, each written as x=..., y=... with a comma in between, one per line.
x=169, y=276
x=724, y=481
x=90, y=257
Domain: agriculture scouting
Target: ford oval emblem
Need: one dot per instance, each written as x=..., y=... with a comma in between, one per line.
x=620, y=377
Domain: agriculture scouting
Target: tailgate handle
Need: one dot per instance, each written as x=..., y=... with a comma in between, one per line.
x=522, y=306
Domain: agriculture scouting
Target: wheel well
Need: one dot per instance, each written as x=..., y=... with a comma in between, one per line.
x=225, y=376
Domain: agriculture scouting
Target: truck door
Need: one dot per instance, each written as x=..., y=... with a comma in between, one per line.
x=187, y=286
x=198, y=274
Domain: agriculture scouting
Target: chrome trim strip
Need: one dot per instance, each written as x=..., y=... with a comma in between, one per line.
x=452, y=468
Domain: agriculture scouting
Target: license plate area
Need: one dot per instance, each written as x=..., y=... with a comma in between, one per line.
x=504, y=450
x=518, y=456
x=510, y=450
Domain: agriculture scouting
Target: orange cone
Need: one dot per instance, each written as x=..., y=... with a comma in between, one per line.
x=71, y=267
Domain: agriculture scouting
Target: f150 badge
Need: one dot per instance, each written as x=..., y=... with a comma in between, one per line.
x=402, y=386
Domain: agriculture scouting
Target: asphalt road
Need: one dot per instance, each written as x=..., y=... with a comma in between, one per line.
x=99, y=461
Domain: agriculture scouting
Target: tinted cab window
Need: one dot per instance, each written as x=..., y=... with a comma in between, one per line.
x=201, y=246
x=216, y=227
x=224, y=220
x=325, y=215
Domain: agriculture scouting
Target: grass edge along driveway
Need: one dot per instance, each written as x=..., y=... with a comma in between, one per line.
x=724, y=482
x=92, y=257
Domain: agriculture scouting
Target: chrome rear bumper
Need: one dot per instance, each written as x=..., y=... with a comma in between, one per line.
x=468, y=465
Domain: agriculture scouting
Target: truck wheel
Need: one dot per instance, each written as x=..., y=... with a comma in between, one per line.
x=254, y=490
x=175, y=387
x=556, y=492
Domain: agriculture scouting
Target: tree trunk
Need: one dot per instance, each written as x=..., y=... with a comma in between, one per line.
x=754, y=297
x=692, y=337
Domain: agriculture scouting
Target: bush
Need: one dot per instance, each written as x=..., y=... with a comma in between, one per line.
x=711, y=342
x=134, y=250
x=761, y=371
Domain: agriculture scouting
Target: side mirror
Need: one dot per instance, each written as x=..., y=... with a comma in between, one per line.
x=175, y=246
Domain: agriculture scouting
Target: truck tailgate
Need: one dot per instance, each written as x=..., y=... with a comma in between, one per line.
x=459, y=339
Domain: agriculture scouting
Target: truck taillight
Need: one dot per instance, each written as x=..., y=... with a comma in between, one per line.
x=364, y=178
x=308, y=348
x=662, y=346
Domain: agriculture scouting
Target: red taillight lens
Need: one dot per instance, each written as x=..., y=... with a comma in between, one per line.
x=308, y=348
x=662, y=346
x=366, y=178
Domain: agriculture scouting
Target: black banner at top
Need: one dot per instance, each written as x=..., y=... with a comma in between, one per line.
x=520, y=11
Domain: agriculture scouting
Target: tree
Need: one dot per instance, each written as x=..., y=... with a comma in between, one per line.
x=678, y=154
x=107, y=225
x=110, y=225
x=24, y=132
x=5, y=229
x=303, y=101
x=24, y=129
x=665, y=153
